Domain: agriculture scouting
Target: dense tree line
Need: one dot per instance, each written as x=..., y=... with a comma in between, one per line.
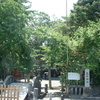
x=14, y=49
x=82, y=35
x=29, y=39
x=83, y=12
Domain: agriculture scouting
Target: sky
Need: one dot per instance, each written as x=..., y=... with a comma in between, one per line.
x=53, y=7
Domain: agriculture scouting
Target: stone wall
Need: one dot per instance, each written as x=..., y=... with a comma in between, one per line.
x=95, y=90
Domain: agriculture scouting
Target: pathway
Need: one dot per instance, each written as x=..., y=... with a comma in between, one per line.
x=56, y=93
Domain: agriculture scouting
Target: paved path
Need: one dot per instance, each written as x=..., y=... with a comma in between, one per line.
x=56, y=93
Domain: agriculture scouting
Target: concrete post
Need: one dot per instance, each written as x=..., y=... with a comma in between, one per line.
x=30, y=87
x=46, y=88
x=50, y=96
x=35, y=94
x=62, y=97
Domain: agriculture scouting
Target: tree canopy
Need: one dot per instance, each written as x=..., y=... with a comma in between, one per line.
x=14, y=46
x=83, y=12
x=29, y=39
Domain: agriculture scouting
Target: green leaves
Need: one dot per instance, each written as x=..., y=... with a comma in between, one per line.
x=85, y=45
x=84, y=24
x=84, y=11
x=55, y=48
x=13, y=35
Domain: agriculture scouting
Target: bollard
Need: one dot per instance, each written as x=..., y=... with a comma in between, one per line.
x=35, y=94
x=50, y=96
x=46, y=88
x=30, y=86
x=62, y=97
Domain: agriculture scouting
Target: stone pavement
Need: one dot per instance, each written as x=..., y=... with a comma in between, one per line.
x=55, y=92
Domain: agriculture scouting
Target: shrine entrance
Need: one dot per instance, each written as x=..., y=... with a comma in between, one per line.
x=80, y=90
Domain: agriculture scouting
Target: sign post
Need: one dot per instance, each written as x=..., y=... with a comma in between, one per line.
x=73, y=76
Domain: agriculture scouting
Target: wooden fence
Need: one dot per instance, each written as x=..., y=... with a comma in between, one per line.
x=9, y=93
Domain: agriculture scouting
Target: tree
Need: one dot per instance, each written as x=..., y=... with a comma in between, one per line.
x=85, y=46
x=83, y=12
x=14, y=49
x=55, y=50
x=39, y=19
x=39, y=25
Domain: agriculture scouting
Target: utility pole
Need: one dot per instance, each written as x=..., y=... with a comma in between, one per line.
x=67, y=83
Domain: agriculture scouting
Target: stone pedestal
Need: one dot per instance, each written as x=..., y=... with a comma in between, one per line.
x=86, y=92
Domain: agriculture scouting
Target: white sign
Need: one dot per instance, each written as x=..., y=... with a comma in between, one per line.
x=73, y=76
x=87, y=78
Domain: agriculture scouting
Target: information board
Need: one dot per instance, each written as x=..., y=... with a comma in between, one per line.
x=73, y=76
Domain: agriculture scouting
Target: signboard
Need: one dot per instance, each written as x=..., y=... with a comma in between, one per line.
x=87, y=78
x=73, y=76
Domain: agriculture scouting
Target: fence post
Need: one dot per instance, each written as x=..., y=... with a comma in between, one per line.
x=30, y=87
x=35, y=94
x=46, y=88
x=62, y=97
x=50, y=96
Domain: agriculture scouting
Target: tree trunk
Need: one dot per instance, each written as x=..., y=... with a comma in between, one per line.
x=28, y=78
x=49, y=76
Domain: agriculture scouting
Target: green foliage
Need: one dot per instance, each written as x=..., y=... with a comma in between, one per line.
x=14, y=49
x=60, y=26
x=39, y=25
x=83, y=40
x=30, y=39
x=39, y=19
x=55, y=49
x=85, y=45
x=83, y=12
